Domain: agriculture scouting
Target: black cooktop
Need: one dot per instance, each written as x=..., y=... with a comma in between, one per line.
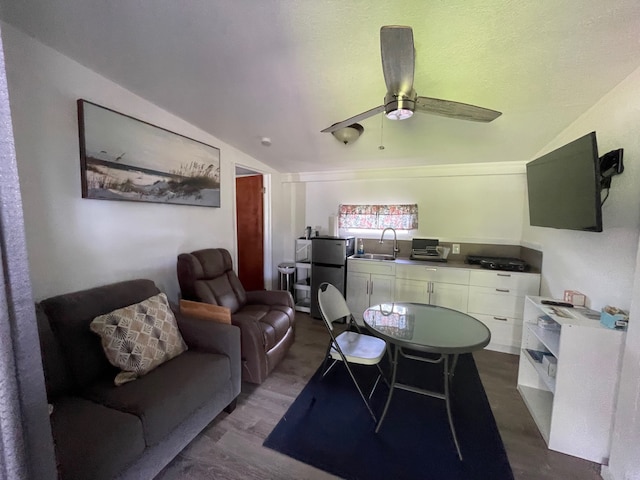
x=498, y=263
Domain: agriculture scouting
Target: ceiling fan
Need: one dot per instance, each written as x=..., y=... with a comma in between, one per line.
x=401, y=100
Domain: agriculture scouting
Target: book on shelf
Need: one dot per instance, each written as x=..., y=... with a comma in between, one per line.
x=537, y=355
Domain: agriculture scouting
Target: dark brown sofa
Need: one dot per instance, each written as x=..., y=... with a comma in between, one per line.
x=266, y=318
x=131, y=431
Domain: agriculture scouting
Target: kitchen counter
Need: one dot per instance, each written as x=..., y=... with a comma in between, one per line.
x=447, y=264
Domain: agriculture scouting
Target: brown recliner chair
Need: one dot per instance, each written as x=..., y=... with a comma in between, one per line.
x=266, y=318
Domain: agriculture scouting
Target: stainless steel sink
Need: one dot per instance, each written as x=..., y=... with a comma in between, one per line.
x=374, y=256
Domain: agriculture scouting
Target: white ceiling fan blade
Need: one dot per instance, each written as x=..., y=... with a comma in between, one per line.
x=461, y=111
x=352, y=120
x=398, y=58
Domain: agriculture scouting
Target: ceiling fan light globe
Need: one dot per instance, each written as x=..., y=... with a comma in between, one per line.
x=399, y=107
x=349, y=134
x=399, y=114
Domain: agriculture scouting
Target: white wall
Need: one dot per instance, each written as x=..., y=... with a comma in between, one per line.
x=600, y=265
x=606, y=266
x=75, y=243
x=464, y=203
x=624, y=462
x=293, y=210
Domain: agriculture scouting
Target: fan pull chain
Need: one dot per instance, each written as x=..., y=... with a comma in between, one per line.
x=381, y=146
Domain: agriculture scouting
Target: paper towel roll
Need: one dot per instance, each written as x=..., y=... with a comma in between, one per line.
x=333, y=225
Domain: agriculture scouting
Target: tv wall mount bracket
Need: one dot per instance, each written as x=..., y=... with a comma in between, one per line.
x=610, y=165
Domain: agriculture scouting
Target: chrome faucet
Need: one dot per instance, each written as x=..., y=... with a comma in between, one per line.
x=395, y=240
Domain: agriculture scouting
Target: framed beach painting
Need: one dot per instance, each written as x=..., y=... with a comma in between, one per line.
x=123, y=158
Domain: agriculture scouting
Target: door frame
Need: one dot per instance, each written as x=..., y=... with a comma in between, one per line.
x=266, y=227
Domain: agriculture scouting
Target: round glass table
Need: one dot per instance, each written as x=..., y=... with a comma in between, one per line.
x=426, y=328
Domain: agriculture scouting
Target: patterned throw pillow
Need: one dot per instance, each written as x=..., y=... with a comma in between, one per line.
x=139, y=337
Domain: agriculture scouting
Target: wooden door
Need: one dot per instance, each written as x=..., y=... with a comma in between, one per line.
x=250, y=221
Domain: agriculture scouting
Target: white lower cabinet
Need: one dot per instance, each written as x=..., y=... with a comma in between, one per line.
x=449, y=295
x=497, y=298
x=506, y=332
x=415, y=291
x=368, y=283
x=357, y=294
x=432, y=285
x=573, y=404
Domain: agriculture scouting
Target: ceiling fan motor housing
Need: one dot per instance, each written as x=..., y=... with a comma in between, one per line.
x=399, y=106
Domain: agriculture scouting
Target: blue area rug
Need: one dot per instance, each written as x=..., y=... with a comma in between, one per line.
x=329, y=427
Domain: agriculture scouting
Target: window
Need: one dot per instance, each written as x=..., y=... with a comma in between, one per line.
x=378, y=217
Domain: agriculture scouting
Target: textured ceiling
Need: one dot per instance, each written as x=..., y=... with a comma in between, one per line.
x=242, y=70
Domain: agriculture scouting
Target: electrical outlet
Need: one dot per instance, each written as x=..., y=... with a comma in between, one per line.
x=455, y=249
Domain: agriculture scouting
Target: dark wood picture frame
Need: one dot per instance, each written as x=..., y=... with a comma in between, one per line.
x=123, y=158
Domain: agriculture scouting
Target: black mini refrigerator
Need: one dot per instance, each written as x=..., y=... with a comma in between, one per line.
x=329, y=264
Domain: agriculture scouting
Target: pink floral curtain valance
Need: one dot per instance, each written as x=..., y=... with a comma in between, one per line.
x=377, y=217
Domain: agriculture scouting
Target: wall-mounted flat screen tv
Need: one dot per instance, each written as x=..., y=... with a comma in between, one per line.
x=564, y=187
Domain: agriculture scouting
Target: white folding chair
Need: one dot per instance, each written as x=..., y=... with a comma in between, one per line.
x=349, y=347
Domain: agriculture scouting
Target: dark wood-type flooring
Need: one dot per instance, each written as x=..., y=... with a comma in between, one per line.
x=231, y=448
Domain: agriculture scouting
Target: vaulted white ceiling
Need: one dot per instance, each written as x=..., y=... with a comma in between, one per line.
x=285, y=69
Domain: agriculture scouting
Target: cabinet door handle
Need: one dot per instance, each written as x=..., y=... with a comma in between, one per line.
x=371, y=293
x=367, y=287
x=504, y=290
x=503, y=274
x=431, y=269
x=502, y=319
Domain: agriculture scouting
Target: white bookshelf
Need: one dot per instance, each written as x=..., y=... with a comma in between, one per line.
x=302, y=279
x=574, y=410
